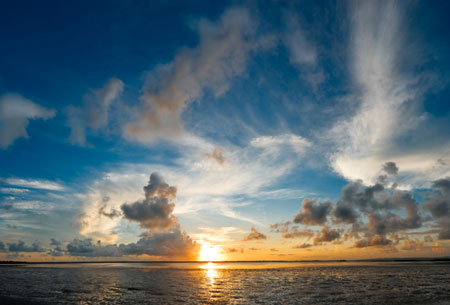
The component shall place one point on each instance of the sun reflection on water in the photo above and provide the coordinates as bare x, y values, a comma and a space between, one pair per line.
211, 272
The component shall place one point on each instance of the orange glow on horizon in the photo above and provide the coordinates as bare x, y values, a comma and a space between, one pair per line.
208, 252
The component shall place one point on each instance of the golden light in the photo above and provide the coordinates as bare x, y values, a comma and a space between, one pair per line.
208, 252
211, 272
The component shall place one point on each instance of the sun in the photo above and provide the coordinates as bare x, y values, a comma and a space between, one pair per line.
208, 252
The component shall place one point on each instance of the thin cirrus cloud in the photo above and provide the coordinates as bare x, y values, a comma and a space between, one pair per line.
389, 99
31, 184
15, 115
202, 182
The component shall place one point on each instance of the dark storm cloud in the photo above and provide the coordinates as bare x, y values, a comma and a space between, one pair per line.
438, 203
255, 235
2, 247
326, 235
20, 246
376, 241
390, 168
313, 212
155, 211
168, 244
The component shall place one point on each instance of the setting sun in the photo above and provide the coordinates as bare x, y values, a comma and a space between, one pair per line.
208, 252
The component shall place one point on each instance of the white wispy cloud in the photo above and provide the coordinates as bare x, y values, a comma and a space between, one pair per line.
33, 184
389, 123
202, 183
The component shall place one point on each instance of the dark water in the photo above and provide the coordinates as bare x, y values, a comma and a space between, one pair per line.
232, 283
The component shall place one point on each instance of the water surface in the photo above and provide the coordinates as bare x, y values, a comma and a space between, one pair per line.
227, 283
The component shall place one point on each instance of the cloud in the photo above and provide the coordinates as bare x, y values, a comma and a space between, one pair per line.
387, 123
20, 246
221, 55
326, 235
390, 168
34, 184
234, 250
313, 212
202, 186
54, 242
155, 211
302, 51
291, 232
173, 244
113, 213
15, 115
375, 241
378, 205
374, 211
302, 246
255, 235
94, 114
438, 203
217, 155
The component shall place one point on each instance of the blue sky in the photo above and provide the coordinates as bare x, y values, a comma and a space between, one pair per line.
257, 112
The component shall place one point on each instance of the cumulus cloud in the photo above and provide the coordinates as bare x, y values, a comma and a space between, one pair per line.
94, 114
255, 235
291, 232
374, 211
155, 211
390, 168
381, 207
54, 242
313, 212
173, 244
221, 55
375, 241
326, 235
388, 122
20, 246
438, 203
202, 185
15, 115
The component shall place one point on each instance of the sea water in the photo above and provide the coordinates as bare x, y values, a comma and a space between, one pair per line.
227, 283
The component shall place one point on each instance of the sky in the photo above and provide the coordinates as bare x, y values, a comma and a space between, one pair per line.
224, 130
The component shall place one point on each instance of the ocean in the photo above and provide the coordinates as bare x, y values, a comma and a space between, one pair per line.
227, 283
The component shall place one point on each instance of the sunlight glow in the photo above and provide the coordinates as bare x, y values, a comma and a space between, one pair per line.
208, 252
